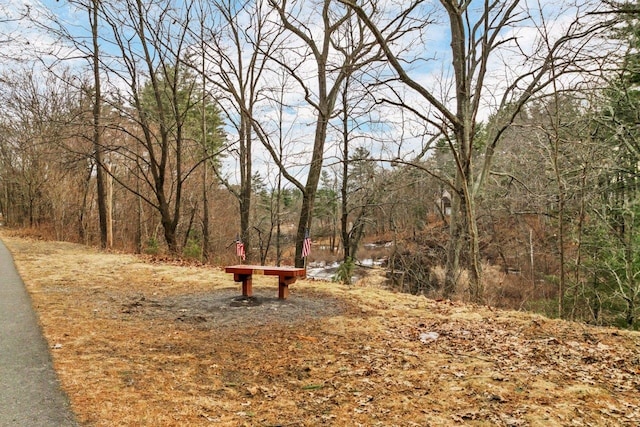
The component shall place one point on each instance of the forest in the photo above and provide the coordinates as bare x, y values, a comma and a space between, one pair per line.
488, 151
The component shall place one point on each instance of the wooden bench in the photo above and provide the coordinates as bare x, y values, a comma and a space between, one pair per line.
286, 276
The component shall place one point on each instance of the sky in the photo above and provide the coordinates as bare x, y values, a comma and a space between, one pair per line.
431, 69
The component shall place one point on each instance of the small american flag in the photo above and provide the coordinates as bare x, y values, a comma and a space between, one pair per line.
240, 249
306, 244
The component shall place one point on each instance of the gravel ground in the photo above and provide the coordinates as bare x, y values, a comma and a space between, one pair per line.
225, 308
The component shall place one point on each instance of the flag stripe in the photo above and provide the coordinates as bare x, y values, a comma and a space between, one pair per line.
306, 245
240, 250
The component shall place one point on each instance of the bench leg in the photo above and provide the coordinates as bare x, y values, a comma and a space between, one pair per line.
283, 286
247, 286
247, 282
283, 290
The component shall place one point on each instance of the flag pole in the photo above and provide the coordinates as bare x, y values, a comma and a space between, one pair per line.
240, 250
306, 249
305, 262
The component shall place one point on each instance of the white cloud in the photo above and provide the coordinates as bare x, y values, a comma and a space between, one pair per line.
397, 132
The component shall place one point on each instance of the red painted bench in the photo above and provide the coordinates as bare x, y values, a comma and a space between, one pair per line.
286, 276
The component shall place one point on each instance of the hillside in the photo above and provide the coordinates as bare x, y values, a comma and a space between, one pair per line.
148, 343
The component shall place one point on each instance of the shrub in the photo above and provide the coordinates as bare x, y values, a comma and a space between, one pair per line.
193, 249
152, 247
345, 272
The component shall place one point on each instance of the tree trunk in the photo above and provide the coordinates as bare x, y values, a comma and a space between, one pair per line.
245, 191
304, 221
205, 151
205, 214
279, 220
97, 144
344, 196
169, 224
109, 206
139, 224
311, 187
454, 247
82, 226
475, 263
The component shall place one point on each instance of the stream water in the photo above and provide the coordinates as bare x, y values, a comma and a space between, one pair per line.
321, 270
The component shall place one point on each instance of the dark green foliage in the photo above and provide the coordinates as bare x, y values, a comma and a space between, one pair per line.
344, 274
611, 288
193, 248
152, 247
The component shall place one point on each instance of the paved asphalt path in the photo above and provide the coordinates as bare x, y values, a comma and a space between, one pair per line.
30, 394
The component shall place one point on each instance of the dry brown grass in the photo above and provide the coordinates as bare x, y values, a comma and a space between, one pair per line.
158, 344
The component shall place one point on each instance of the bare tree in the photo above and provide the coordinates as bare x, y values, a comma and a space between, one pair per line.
278, 130
151, 41
235, 49
42, 150
478, 33
359, 184
329, 37
67, 47
104, 209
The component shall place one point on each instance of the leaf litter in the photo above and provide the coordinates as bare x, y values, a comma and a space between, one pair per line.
144, 343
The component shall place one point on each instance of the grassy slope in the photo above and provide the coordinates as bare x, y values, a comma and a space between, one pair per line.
148, 343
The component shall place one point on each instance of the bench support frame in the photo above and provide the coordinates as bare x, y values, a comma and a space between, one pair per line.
286, 277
